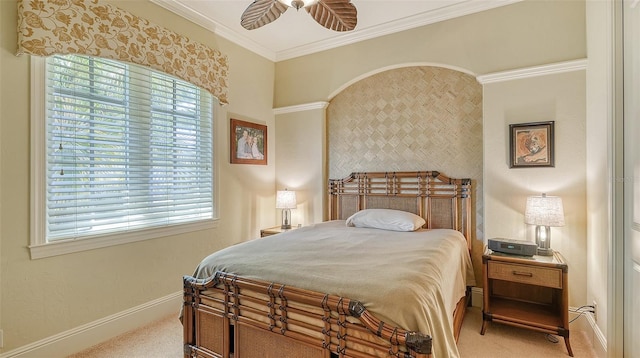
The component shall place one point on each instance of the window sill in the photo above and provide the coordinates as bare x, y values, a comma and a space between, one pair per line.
64, 247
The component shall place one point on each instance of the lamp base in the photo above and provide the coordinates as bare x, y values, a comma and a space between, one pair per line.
545, 252
286, 219
543, 240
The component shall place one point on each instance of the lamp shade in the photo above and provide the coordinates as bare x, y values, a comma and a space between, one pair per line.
544, 210
286, 199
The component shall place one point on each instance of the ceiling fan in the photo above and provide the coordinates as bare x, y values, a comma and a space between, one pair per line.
337, 15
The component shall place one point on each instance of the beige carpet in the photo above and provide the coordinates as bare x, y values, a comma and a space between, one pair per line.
502, 341
158, 340
164, 339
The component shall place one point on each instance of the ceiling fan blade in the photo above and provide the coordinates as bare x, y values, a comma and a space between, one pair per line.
261, 12
337, 15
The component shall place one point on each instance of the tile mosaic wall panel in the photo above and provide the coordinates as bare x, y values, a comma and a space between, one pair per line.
412, 118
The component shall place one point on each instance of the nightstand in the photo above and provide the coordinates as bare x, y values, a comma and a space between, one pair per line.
526, 291
274, 230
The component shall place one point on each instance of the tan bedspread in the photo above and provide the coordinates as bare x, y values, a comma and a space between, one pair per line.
427, 271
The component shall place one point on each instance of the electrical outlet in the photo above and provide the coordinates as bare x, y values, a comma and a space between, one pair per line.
595, 311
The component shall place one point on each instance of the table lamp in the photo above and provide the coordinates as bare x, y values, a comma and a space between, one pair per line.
286, 200
544, 211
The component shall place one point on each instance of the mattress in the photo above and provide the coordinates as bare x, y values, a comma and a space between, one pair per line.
412, 280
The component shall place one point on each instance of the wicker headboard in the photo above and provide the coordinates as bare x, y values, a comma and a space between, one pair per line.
443, 202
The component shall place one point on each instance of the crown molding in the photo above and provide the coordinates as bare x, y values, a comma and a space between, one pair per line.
450, 12
215, 27
549, 69
300, 107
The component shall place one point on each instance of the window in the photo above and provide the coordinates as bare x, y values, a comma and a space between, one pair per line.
128, 154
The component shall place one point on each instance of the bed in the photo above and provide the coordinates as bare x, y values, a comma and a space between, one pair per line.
342, 288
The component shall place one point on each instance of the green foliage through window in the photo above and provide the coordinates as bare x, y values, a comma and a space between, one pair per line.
127, 148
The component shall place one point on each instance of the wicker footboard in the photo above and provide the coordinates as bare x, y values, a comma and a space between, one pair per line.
231, 316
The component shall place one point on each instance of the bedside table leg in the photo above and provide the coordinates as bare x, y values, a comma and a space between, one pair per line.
565, 334
566, 343
486, 317
484, 327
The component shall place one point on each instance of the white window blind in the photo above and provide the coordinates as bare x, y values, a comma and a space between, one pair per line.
127, 148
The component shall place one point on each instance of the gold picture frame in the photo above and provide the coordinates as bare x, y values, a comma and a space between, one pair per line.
248, 143
531, 145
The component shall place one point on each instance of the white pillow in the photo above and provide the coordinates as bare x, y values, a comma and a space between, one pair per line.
386, 219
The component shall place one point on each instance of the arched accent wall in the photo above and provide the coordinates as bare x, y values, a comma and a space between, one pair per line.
394, 67
409, 118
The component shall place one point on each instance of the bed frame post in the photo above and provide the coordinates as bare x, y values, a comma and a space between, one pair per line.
465, 198
363, 187
188, 315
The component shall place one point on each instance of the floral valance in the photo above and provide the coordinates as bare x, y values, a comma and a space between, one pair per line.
47, 27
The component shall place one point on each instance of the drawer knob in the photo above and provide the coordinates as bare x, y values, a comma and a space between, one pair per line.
520, 273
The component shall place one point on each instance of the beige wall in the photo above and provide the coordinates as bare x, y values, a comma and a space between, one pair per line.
599, 166
300, 160
83, 287
524, 34
41, 298
560, 98
2, 100
512, 37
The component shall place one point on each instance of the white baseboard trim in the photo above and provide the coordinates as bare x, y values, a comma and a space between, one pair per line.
92, 333
598, 341
586, 324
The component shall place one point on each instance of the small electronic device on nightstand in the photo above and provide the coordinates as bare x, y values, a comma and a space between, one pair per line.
514, 247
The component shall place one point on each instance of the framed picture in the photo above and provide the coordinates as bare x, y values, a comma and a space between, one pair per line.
531, 145
248, 143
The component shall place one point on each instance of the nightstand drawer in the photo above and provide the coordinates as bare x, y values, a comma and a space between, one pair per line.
541, 276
